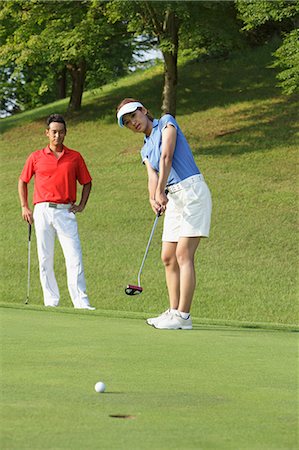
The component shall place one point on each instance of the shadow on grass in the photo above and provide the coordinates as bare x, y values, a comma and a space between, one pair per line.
262, 130
202, 85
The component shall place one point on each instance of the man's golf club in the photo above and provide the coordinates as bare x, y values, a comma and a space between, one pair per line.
28, 271
132, 289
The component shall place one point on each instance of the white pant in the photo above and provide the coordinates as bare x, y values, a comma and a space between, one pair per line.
48, 223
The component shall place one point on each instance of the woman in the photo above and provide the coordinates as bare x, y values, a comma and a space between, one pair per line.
176, 188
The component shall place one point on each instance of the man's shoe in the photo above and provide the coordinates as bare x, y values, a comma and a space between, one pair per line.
154, 320
174, 322
89, 307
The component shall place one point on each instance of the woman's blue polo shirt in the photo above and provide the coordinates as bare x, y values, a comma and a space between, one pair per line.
183, 164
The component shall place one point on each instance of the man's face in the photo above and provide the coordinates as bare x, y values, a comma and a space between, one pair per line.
56, 133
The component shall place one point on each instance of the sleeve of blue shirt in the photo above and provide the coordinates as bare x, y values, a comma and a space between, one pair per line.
165, 120
183, 164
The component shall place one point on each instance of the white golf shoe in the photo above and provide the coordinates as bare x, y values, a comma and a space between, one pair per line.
89, 307
174, 322
154, 320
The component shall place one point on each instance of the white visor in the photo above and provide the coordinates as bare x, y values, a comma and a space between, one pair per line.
126, 109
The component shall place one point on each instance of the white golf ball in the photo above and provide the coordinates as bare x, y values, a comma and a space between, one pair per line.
100, 386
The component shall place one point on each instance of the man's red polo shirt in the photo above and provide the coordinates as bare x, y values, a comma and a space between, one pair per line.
55, 179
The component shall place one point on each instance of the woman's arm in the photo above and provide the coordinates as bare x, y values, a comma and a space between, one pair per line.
168, 145
152, 186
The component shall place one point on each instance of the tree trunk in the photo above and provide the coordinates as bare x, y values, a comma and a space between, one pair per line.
170, 84
78, 72
61, 84
171, 31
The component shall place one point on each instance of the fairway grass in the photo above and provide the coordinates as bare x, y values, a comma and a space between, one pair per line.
212, 388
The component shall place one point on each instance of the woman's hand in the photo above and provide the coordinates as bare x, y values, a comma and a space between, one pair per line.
155, 206
161, 200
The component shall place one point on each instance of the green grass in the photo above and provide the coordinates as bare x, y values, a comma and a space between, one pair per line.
244, 136
212, 388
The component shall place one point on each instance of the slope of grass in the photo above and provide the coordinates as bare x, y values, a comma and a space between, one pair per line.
244, 136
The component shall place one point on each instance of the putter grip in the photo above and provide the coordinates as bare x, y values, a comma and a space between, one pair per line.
29, 231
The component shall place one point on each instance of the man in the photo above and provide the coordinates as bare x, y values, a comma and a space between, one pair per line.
56, 170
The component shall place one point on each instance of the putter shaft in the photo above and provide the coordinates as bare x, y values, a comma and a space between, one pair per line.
147, 248
29, 263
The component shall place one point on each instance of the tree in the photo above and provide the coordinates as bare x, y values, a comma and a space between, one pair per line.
160, 22
287, 60
52, 38
282, 15
171, 23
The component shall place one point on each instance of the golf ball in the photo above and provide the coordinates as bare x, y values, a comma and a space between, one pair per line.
100, 386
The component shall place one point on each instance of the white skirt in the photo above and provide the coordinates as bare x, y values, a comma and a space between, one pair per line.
188, 211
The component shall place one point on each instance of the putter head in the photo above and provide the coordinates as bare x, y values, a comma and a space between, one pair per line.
133, 290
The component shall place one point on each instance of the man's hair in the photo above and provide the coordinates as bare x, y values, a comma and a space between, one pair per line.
56, 118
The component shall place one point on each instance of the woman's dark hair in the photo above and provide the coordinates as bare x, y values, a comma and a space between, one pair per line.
130, 100
56, 118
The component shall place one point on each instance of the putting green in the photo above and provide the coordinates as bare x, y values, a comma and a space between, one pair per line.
210, 388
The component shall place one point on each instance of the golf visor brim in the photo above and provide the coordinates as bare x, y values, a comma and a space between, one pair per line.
127, 109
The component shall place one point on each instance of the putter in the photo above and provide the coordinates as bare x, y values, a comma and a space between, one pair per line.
131, 289
28, 271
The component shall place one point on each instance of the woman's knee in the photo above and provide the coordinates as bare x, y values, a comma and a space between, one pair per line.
168, 258
168, 254
186, 250
184, 257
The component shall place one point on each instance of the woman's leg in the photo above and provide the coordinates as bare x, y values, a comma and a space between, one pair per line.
185, 252
172, 272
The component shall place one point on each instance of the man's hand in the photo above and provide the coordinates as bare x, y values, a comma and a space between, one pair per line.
84, 198
76, 208
27, 214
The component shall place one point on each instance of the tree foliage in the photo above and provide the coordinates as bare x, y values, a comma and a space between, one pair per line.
53, 48
257, 12
43, 38
285, 13
287, 60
